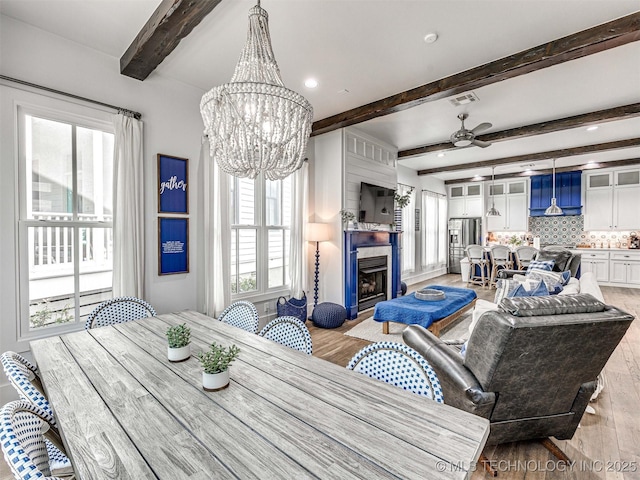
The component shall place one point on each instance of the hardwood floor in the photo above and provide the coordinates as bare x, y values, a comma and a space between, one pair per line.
605, 446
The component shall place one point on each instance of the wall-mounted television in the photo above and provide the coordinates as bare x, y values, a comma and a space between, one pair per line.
376, 204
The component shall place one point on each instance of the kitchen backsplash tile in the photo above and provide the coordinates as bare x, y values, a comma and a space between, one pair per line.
562, 230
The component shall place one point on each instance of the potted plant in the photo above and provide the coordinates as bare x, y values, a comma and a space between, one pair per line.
402, 200
215, 363
179, 348
347, 217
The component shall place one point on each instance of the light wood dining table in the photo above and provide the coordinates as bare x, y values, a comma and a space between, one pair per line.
126, 412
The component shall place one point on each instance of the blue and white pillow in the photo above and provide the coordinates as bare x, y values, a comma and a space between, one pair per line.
553, 280
540, 290
546, 265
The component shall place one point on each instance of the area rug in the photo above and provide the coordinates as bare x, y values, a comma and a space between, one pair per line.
371, 330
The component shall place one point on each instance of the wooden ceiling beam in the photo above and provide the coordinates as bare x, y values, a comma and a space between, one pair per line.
593, 40
171, 22
622, 112
546, 171
562, 153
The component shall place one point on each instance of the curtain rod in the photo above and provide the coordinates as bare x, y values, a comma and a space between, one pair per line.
405, 185
125, 111
435, 193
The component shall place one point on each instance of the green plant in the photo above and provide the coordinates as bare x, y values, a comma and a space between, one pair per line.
402, 200
347, 216
218, 358
515, 240
46, 316
178, 336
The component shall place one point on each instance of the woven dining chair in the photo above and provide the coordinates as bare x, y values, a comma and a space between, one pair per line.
523, 256
477, 258
119, 310
241, 314
500, 257
399, 365
26, 450
18, 371
290, 332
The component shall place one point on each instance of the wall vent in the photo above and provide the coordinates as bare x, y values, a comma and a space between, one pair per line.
463, 99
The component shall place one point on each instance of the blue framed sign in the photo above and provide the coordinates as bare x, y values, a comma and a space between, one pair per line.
173, 188
173, 245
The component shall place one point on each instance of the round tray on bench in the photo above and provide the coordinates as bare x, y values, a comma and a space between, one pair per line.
430, 294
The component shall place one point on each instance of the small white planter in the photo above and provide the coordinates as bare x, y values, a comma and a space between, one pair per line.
212, 382
179, 354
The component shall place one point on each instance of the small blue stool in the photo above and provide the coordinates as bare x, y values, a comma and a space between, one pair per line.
329, 315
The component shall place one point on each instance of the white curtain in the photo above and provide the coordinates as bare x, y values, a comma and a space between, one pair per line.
297, 257
434, 229
408, 230
217, 235
128, 208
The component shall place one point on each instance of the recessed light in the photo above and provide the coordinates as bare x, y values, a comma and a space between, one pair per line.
311, 83
592, 128
430, 37
440, 155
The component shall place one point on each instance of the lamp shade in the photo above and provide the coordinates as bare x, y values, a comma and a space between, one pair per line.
318, 232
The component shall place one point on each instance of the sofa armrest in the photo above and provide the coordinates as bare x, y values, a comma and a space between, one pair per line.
506, 274
459, 386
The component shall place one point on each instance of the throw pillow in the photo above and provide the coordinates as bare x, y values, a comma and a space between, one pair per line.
551, 279
504, 287
543, 265
540, 290
572, 287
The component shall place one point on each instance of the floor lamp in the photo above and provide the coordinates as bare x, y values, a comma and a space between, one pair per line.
317, 232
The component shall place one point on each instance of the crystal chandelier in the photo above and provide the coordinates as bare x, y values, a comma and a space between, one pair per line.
254, 123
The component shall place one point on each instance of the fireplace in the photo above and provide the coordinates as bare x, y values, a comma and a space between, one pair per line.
372, 281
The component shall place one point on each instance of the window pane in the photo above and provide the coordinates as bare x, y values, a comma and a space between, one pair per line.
51, 277
273, 195
95, 173
276, 258
247, 260
96, 265
48, 156
246, 201
287, 192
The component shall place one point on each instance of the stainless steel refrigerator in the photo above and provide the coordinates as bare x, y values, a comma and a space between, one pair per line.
462, 232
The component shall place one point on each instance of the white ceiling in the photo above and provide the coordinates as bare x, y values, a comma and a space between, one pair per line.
375, 49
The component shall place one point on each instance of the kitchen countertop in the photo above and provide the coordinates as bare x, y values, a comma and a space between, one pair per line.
585, 249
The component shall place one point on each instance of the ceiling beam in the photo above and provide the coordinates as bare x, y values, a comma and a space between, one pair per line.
562, 153
546, 171
593, 40
622, 112
171, 22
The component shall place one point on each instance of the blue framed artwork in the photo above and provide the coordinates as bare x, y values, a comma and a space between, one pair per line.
173, 187
173, 245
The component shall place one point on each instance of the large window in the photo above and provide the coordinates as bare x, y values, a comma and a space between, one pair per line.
260, 226
434, 231
66, 211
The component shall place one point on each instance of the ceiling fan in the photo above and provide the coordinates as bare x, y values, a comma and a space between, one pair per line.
464, 137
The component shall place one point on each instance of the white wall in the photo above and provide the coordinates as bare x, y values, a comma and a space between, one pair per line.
172, 125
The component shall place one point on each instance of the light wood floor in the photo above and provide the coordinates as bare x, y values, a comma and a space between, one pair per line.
603, 446
605, 443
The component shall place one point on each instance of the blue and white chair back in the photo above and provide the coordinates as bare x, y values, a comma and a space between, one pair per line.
28, 368
119, 310
21, 381
27, 452
399, 365
242, 315
290, 332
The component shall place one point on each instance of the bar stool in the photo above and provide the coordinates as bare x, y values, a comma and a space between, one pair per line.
500, 257
476, 256
524, 255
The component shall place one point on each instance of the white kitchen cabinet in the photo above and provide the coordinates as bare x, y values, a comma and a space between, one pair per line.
465, 200
610, 199
511, 201
625, 268
596, 262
